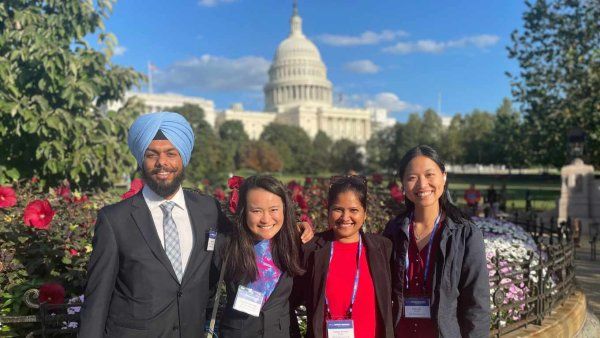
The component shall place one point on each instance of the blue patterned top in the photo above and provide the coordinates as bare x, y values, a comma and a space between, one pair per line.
268, 272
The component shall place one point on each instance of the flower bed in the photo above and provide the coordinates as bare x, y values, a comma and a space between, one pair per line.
45, 241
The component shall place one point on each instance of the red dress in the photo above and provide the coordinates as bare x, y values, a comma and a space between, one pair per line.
419, 327
339, 285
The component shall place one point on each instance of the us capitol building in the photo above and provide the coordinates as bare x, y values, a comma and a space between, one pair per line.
298, 93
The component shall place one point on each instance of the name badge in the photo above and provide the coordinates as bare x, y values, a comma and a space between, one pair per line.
248, 301
340, 328
417, 308
212, 237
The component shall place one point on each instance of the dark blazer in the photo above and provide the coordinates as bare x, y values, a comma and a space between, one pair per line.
312, 284
132, 289
460, 303
274, 319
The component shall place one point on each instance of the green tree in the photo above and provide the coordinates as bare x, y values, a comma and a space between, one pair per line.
558, 86
431, 129
52, 88
346, 157
508, 139
210, 158
452, 147
380, 148
292, 144
232, 134
477, 137
321, 159
260, 156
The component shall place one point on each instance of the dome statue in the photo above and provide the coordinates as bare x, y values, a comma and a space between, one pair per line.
297, 75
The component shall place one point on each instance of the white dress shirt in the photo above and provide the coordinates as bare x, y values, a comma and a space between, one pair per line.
180, 216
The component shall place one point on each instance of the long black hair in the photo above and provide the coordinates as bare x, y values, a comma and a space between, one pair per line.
341, 184
449, 209
285, 245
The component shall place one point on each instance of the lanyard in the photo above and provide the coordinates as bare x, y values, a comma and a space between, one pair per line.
356, 277
436, 224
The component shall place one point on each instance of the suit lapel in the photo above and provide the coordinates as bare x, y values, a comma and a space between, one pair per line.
374, 255
321, 267
143, 219
198, 229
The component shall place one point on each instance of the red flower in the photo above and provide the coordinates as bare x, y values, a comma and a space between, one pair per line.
377, 178
64, 191
52, 293
219, 194
8, 197
205, 182
34, 180
307, 180
135, 187
235, 182
233, 200
396, 193
81, 199
73, 252
306, 218
38, 214
294, 187
301, 202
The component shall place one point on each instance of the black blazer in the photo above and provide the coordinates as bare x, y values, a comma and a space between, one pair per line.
274, 319
132, 289
316, 263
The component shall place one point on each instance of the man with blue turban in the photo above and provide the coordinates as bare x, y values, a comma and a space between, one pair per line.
148, 274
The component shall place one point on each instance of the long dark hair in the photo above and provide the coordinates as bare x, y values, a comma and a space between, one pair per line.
449, 209
285, 245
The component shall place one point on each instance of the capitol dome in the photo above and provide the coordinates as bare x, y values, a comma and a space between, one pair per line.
297, 75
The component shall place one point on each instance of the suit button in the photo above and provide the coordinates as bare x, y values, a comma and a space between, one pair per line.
179, 293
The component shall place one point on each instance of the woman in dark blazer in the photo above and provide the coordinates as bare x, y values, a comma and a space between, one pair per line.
262, 259
328, 286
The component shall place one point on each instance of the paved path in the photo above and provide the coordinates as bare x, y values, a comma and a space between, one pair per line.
587, 274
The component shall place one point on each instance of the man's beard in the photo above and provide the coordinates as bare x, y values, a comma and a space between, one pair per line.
163, 189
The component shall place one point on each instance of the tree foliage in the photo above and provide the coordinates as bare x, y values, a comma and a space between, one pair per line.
260, 156
345, 157
321, 159
208, 159
558, 86
292, 144
232, 134
52, 85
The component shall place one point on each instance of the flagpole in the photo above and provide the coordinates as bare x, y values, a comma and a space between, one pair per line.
150, 89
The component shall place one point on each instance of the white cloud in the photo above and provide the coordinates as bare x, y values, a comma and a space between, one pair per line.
119, 50
362, 67
214, 73
431, 46
366, 38
391, 102
213, 3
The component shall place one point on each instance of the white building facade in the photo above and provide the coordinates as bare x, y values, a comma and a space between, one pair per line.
298, 93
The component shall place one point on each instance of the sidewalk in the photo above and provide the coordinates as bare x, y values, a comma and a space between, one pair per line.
587, 275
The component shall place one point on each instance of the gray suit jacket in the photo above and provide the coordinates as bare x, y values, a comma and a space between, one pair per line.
132, 289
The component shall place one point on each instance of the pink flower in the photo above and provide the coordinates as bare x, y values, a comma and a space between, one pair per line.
135, 187
301, 202
233, 200
64, 191
219, 194
235, 182
81, 199
306, 218
73, 252
52, 293
396, 193
38, 214
8, 197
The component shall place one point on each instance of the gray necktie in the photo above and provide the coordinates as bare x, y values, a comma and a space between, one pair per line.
171, 238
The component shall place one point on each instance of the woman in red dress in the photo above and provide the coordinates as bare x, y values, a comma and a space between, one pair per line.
347, 286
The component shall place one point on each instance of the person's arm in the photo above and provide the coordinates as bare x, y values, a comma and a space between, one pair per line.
307, 232
101, 277
474, 288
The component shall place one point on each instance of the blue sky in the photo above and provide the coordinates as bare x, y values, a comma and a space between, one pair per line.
395, 54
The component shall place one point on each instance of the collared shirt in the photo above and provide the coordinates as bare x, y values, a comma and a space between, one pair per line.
180, 216
420, 327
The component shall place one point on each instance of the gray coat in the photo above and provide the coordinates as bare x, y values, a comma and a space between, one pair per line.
460, 278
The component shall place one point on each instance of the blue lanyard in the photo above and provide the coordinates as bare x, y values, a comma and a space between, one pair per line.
356, 277
436, 224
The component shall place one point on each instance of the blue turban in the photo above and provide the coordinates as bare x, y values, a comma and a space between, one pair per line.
175, 128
